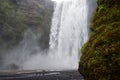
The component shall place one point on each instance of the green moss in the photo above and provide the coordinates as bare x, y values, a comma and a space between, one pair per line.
101, 54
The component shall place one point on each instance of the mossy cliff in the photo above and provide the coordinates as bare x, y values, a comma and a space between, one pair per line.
7, 14
16, 16
100, 58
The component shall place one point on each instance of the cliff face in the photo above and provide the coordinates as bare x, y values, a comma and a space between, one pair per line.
100, 58
16, 16
37, 15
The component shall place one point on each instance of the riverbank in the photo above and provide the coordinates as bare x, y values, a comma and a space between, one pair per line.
43, 75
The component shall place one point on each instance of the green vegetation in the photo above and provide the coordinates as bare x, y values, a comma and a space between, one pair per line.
16, 16
7, 23
101, 54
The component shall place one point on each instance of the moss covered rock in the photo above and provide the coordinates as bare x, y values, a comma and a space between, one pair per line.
100, 58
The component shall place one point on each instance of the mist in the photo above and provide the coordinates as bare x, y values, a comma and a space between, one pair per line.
69, 31
29, 56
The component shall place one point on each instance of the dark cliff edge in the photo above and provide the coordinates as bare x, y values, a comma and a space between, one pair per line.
100, 58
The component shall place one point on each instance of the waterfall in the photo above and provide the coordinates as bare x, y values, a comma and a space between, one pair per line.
69, 30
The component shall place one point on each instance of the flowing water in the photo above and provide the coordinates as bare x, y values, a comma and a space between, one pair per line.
69, 31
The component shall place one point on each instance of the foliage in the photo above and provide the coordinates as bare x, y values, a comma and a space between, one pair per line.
101, 55
7, 11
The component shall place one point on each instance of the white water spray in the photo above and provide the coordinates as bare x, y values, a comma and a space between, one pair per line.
69, 31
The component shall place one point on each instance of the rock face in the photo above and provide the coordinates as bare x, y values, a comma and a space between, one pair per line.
100, 58
16, 16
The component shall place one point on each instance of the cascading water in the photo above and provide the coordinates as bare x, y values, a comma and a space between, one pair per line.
69, 31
